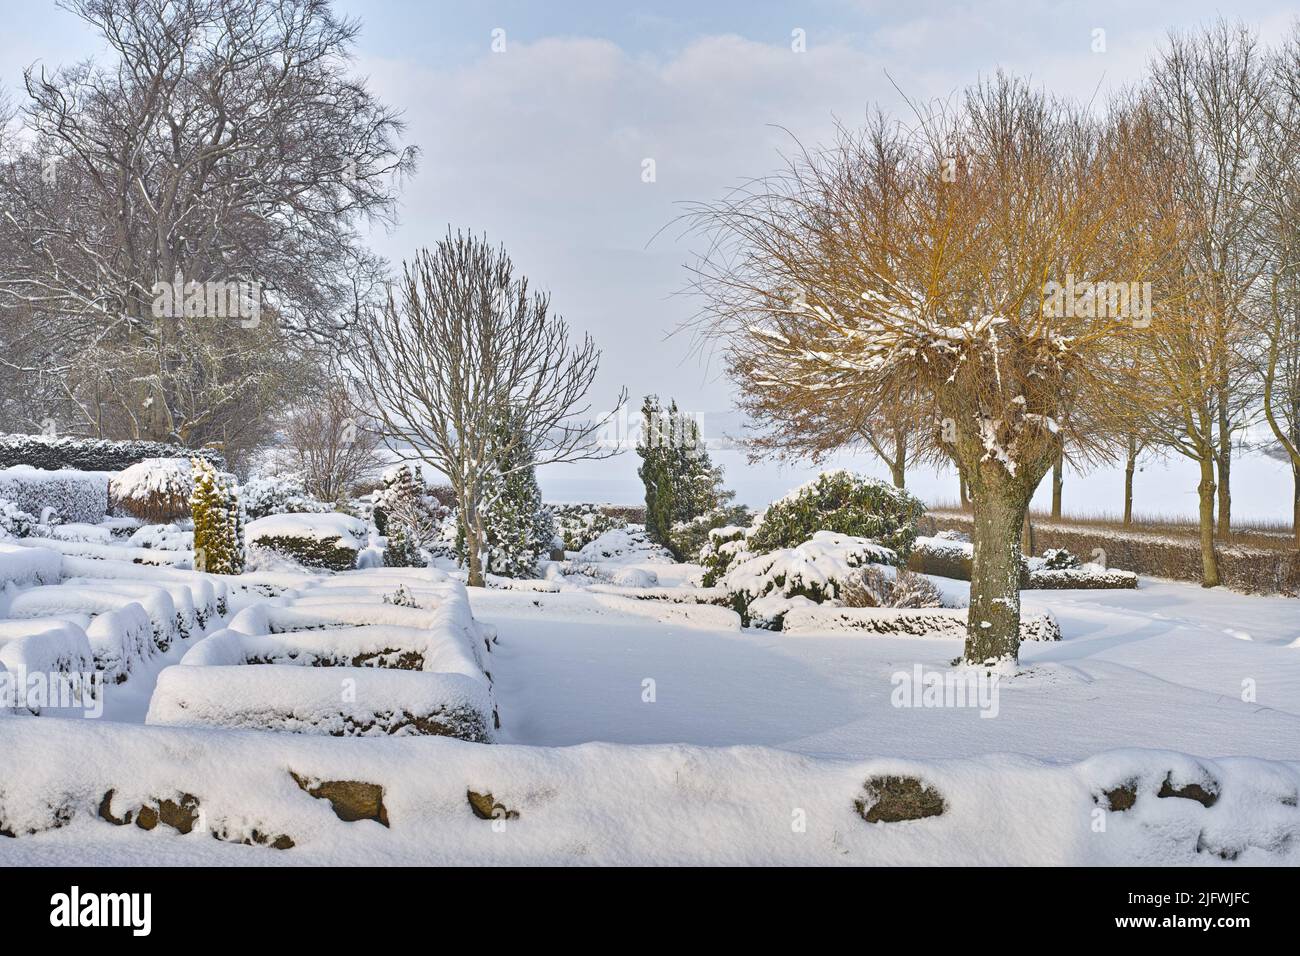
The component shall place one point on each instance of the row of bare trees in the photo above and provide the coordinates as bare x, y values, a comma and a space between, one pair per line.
1009, 280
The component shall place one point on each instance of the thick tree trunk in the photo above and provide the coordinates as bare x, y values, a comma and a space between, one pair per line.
1224, 462
1058, 481
898, 472
1209, 562
993, 624
1130, 465
1295, 504
963, 490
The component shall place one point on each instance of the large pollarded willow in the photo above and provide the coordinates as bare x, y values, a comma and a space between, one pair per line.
942, 271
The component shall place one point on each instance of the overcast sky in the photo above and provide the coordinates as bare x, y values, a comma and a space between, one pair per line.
542, 145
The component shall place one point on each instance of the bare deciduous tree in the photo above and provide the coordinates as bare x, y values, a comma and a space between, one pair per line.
224, 141
331, 441
460, 342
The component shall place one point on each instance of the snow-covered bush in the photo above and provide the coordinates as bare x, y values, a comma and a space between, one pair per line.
14, 522
726, 546
156, 490
877, 586
577, 525
405, 499
691, 539
80, 496
846, 504
330, 541
816, 571
163, 537
517, 527
51, 453
278, 495
1059, 559
625, 546
401, 551
218, 522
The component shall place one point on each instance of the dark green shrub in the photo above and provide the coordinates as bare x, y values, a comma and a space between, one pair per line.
845, 503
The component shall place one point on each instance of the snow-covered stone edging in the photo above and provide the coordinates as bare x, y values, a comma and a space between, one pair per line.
88, 793
905, 622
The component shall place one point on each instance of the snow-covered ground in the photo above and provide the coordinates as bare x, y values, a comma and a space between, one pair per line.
1164, 666
749, 746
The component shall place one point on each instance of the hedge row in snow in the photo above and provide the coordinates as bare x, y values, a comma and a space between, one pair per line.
44, 664
1088, 577
903, 622
374, 653
76, 496
23, 567
51, 453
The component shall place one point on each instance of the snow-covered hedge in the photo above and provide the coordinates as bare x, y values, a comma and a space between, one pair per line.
51, 453
412, 657
307, 700
763, 589
62, 600
330, 541
1087, 577
23, 566
905, 622
36, 657
211, 592
156, 557
156, 490
74, 495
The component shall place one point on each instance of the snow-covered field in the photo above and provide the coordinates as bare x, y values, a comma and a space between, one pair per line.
645, 731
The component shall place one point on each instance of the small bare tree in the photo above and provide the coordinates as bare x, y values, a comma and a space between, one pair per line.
332, 442
460, 342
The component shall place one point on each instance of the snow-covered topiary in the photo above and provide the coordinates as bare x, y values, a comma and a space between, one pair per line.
278, 495
330, 541
1059, 559
218, 521
691, 539
517, 527
816, 570
156, 490
401, 551
845, 503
